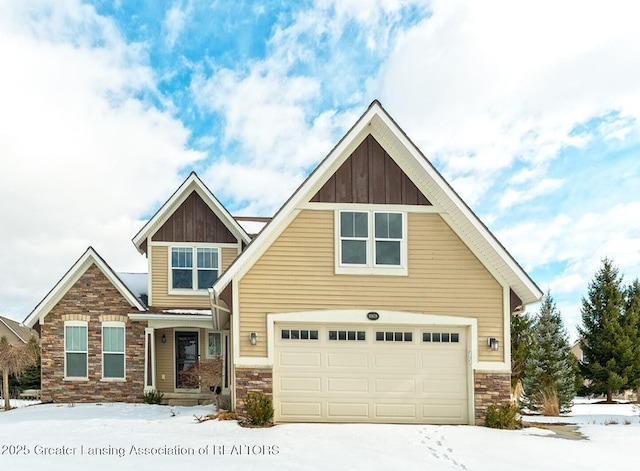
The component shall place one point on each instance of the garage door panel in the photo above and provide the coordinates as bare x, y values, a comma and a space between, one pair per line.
309, 410
406, 385
341, 410
370, 380
347, 360
396, 361
347, 385
298, 384
394, 411
300, 358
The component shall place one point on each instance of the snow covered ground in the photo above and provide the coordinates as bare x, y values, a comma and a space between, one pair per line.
138, 436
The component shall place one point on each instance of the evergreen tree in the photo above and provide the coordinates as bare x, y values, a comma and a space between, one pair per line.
631, 325
521, 341
549, 379
608, 336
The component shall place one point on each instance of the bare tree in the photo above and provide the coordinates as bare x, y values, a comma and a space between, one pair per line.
206, 374
13, 360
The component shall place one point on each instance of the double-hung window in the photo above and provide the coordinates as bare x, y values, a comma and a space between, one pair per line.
75, 349
194, 268
113, 350
371, 242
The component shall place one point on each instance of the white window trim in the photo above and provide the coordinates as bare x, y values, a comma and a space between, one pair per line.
123, 353
86, 351
219, 332
370, 268
194, 270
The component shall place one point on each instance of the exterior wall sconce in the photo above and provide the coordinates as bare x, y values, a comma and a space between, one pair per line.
253, 338
493, 343
164, 338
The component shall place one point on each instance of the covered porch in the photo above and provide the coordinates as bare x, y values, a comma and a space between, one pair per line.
186, 356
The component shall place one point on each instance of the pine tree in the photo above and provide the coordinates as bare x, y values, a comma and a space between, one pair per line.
631, 325
549, 377
607, 336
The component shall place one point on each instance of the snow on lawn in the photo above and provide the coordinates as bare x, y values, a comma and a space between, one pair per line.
140, 436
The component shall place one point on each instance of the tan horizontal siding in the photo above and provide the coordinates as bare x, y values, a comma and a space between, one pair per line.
164, 361
160, 296
297, 274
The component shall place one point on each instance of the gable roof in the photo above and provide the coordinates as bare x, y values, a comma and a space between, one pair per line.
19, 331
88, 258
463, 221
192, 183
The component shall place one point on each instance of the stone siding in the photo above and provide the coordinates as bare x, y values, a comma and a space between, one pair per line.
490, 388
252, 380
95, 300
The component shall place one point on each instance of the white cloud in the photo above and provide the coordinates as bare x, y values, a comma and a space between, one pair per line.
480, 85
518, 196
175, 21
83, 156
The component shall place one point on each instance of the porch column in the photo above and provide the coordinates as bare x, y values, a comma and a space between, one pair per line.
149, 360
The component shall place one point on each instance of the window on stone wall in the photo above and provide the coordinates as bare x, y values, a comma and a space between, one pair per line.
113, 358
75, 349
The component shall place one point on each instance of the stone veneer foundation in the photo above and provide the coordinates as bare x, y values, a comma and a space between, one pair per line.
95, 300
252, 380
490, 388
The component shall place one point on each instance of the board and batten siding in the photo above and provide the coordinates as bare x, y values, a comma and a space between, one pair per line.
297, 273
160, 296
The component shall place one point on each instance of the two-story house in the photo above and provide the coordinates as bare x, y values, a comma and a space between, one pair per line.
374, 294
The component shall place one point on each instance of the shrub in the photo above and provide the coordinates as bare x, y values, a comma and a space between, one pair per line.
259, 408
152, 397
550, 403
505, 416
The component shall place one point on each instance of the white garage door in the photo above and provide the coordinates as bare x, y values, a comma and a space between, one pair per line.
379, 373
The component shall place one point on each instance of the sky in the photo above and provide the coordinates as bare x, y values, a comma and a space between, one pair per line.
530, 109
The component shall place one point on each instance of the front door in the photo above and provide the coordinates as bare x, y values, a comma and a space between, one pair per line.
186, 359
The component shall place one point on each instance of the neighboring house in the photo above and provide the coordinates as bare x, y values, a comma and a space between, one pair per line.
14, 332
375, 294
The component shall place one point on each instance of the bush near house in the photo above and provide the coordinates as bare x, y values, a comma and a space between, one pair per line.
259, 408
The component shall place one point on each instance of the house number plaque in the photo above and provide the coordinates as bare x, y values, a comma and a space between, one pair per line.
373, 316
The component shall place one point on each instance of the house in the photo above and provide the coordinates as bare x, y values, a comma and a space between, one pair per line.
374, 294
14, 332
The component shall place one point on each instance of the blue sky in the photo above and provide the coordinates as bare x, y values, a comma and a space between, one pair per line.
529, 109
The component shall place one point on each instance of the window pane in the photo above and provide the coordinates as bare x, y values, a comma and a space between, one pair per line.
77, 365
181, 257
395, 225
354, 252
361, 224
206, 278
113, 339
182, 278
354, 224
455, 337
207, 258
346, 225
387, 252
382, 225
113, 365
76, 338
215, 344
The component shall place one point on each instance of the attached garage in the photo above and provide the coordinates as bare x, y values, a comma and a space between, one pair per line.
371, 373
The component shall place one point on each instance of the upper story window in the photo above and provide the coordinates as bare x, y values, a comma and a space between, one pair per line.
194, 268
371, 242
